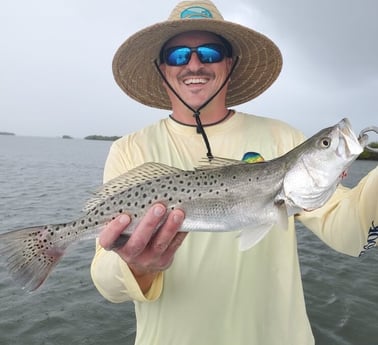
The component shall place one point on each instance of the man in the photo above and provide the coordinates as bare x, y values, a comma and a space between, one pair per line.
199, 288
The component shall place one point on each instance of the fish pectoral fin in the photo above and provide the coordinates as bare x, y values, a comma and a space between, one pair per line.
251, 236
282, 220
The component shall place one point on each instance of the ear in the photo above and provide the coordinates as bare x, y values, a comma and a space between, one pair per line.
162, 68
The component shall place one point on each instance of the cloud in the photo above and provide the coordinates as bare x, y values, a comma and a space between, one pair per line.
56, 63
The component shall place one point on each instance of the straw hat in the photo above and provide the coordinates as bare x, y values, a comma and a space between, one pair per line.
259, 63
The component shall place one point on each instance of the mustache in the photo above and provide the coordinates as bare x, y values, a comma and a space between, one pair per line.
202, 72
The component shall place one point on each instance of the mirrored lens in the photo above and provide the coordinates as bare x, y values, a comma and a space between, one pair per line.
208, 53
178, 56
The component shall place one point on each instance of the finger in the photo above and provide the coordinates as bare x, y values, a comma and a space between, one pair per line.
113, 230
145, 230
167, 232
173, 246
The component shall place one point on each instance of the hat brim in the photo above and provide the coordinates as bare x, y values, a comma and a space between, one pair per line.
259, 64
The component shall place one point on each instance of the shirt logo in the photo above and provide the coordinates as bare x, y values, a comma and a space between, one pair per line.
196, 12
372, 239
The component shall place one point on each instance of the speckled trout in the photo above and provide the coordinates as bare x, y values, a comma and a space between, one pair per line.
224, 195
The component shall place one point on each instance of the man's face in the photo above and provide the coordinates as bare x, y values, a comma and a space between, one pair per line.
196, 82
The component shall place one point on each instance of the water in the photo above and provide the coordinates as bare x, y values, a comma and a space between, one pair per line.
48, 180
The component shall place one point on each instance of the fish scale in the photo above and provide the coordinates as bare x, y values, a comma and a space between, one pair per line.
224, 195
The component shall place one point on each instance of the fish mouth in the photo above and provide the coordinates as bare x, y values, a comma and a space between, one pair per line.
349, 143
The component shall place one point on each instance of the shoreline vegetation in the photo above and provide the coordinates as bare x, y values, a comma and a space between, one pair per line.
101, 137
366, 155
369, 155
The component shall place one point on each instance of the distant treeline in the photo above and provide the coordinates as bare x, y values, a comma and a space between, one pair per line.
6, 133
101, 137
369, 155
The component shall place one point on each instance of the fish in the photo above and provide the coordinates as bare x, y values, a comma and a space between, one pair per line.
220, 196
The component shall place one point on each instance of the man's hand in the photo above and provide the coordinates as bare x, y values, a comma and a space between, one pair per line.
147, 252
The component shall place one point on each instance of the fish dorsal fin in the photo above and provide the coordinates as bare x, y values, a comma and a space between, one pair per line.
134, 177
217, 162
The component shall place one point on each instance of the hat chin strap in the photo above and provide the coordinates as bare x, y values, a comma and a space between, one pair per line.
197, 112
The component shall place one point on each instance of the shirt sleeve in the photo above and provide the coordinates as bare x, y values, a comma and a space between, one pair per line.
348, 221
110, 274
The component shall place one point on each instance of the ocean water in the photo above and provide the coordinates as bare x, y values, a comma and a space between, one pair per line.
46, 180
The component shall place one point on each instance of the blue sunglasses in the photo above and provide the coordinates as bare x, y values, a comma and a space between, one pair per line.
207, 53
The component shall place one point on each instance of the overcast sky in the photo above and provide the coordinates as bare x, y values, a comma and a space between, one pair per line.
56, 55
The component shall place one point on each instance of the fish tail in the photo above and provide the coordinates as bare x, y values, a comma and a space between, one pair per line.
31, 254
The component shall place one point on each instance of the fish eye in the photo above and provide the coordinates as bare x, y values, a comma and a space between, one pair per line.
325, 142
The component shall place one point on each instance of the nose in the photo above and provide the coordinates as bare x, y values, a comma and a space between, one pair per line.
194, 61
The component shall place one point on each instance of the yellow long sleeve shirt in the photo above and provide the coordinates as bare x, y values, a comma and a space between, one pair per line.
213, 293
